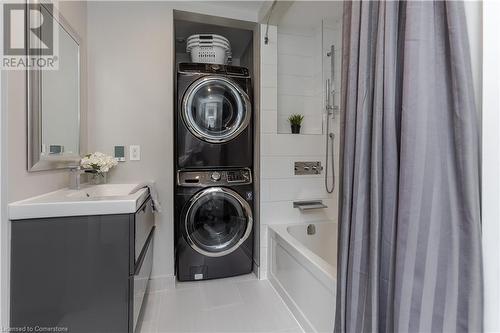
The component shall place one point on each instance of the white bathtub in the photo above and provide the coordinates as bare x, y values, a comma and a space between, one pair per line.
303, 269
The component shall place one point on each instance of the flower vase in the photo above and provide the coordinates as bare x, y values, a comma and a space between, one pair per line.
97, 178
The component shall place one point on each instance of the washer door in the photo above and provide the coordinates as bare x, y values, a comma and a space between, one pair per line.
215, 109
217, 221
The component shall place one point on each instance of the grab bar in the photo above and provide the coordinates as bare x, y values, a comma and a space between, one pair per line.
309, 205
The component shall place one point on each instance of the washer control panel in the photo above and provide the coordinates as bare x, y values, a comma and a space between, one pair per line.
189, 67
240, 176
214, 177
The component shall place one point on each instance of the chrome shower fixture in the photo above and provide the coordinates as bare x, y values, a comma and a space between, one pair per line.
330, 112
266, 37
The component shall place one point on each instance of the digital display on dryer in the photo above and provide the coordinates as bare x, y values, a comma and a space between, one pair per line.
237, 176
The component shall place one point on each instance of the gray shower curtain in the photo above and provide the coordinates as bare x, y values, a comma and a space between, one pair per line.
409, 247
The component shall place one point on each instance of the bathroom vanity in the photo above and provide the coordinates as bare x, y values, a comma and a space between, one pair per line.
81, 260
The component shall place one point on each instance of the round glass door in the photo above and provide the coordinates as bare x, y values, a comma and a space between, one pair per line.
216, 109
217, 221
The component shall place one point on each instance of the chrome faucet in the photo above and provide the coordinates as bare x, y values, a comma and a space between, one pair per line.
74, 177
311, 229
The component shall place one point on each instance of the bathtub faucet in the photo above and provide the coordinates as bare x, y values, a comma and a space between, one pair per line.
311, 229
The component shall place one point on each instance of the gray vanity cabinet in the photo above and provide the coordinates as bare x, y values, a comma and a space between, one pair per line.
83, 272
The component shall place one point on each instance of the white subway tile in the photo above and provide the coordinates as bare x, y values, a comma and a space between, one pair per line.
297, 188
282, 212
299, 89
269, 76
275, 167
298, 31
312, 124
298, 85
263, 257
268, 121
264, 190
295, 44
290, 104
269, 53
271, 29
292, 144
295, 65
269, 98
263, 235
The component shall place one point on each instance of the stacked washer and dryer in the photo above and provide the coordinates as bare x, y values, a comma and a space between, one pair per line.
214, 168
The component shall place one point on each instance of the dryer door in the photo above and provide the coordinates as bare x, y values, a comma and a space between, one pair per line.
215, 109
217, 221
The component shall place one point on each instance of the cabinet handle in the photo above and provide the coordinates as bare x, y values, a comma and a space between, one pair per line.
144, 250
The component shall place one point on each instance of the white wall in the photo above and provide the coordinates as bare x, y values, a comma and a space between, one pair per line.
278, 152
131, 91
238, 10
491, 164
474, 18
300, 77
483, 27
16, 183
24, 184
306, 30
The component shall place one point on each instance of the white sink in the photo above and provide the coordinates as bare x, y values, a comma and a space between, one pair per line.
89, 200
102, 191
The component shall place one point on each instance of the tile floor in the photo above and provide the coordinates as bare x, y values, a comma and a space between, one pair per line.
239, 304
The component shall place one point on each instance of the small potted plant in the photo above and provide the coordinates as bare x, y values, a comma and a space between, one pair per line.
295, 122
97, 165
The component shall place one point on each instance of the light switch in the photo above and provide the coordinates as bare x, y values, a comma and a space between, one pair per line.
135, 153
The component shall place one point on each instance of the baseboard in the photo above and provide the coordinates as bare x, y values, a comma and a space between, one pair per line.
260, 273
161, 282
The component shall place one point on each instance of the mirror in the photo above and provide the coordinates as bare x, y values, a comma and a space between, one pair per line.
53, 101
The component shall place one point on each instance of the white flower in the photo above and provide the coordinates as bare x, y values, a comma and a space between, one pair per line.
99, 162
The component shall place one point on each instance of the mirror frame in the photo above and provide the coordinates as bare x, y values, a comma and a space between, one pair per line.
35, 162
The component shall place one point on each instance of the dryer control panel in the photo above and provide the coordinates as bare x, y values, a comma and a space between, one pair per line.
214, 177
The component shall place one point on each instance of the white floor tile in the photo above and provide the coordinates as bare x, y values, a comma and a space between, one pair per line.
220, 293
240, 304
266, 306
149, 327
152, 304
292, 330
179, 310
230, 319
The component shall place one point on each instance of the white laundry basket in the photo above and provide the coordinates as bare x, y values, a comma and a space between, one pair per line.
208, 48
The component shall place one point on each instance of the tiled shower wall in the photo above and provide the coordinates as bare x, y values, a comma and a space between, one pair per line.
279, 186
300, 88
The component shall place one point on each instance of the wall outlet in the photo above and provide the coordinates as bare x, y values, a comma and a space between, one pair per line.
135, 153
